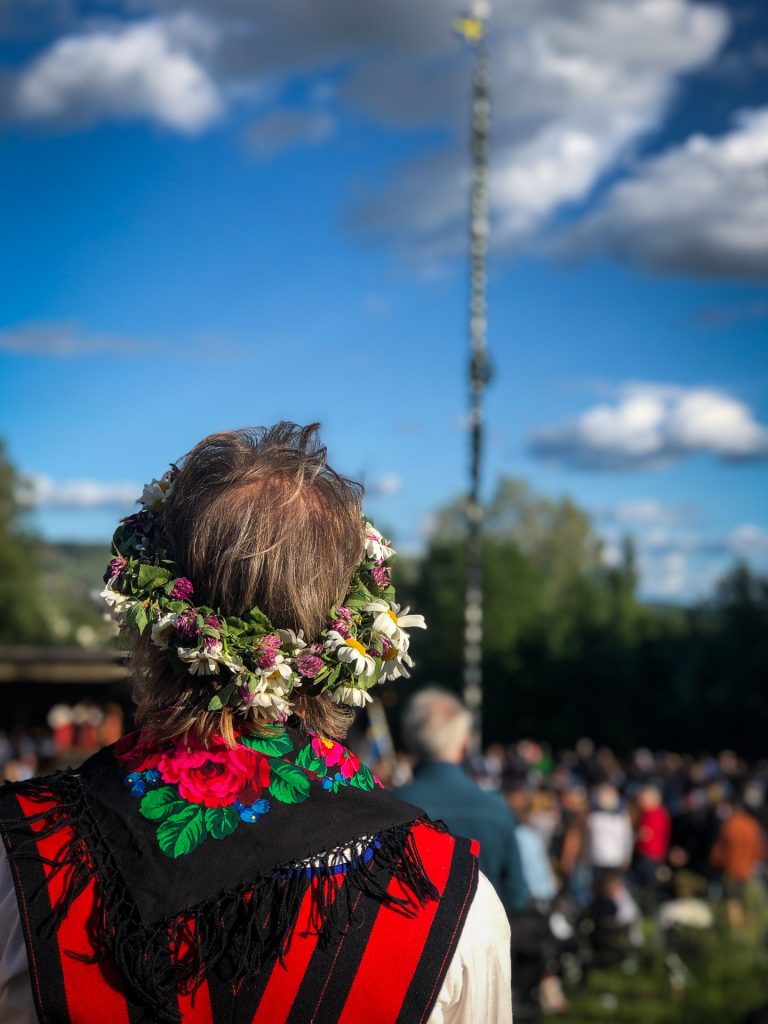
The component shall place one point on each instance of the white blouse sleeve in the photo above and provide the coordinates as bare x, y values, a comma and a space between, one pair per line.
478, 985
17, 1004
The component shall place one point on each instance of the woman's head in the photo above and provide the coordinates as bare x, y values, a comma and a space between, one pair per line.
256, 517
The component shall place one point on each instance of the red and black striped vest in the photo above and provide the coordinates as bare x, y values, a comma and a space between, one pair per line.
368, 944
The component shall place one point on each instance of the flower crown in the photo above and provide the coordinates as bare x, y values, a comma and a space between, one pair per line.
252, 663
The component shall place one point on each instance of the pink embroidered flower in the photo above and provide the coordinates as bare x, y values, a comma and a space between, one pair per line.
309, 665
117, 567
182, 589
138, 751
216, 776
186, 625
334, 753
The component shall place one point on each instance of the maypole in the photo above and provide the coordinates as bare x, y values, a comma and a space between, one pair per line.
472, 28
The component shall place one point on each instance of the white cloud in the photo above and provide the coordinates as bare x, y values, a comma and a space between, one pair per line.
44, 492
651, 425
149, 69
61, 340
748, 541
386, 486
699, 208
574, 87
645, 512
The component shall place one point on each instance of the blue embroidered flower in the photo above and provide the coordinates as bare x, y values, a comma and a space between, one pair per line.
253, 812
152, 777
136, 781
334, 782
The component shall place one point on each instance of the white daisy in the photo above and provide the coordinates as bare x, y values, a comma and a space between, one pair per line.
155, 493
393, 623
290, 641
395, 664
351, 652
375, 545
162, 629
118, 604
206, 662
279, 671
351, 695
200, 662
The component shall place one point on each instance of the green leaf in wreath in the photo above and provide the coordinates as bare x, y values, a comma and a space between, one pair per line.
258, 618
221, 821
153, 576
137, 616
289, 785
161, 803
221, 699
308, 759
273, 745
182, 832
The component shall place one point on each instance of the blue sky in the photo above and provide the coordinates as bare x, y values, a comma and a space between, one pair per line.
214, 219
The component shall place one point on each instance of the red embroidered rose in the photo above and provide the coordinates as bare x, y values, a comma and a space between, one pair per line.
334, 754
138, 751
217, 776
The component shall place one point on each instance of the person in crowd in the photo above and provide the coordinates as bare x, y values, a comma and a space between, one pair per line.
437, 730
738, 849
609, 832
231, 859
652, 841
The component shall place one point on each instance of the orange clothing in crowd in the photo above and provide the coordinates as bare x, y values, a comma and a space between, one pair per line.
739, 848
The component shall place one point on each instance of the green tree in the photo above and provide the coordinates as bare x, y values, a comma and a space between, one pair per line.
20, 616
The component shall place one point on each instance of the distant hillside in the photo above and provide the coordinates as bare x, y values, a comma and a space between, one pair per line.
72, 578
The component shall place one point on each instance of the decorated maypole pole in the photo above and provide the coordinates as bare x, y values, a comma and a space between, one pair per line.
473, 28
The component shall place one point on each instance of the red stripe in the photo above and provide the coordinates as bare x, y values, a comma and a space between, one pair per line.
474, 847
194, 1007
397, 942
286, 978
93, 993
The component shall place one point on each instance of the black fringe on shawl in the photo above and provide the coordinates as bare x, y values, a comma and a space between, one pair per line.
239, 933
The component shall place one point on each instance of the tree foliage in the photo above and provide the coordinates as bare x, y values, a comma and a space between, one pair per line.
569, 649
20, 615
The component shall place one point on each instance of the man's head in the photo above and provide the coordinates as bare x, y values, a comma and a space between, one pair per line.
437, 726
255, 517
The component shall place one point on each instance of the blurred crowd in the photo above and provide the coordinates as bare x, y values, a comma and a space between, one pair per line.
72, 733
608, 844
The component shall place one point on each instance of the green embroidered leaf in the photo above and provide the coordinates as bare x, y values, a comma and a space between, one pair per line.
363, 778
153, 576
290, 785
274, 745
182, 832
160, 804
221, 821
308, 759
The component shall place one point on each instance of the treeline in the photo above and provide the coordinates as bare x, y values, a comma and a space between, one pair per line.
570, 650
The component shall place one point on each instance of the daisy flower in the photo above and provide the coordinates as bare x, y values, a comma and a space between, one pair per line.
117, 603
155, 493
352, 652
393, 623
351, 695
205, 661
162, 629
395, 664
376, 548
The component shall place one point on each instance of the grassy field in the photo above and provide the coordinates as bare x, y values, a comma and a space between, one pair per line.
724, 977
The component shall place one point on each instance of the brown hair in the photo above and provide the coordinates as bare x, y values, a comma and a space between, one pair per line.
256, 517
